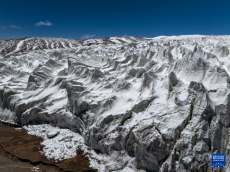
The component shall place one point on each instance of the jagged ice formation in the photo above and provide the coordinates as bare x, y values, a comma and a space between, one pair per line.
132, 104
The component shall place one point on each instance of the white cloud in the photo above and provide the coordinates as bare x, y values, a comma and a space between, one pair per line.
16, 27
41, 23
87, 36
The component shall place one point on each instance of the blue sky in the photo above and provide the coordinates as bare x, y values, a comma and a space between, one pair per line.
105, 18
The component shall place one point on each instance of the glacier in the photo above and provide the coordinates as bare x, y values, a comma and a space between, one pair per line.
130, 103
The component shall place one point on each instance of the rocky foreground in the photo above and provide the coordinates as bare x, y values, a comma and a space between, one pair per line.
20, 152
128, 103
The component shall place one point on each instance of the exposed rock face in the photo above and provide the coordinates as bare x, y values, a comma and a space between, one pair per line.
160, 104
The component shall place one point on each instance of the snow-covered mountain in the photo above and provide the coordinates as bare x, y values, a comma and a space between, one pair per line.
132, 104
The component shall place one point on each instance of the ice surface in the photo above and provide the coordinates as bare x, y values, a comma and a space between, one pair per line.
53, 133
131, 104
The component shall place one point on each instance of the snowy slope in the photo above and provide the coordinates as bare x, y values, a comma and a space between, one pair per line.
147, 104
